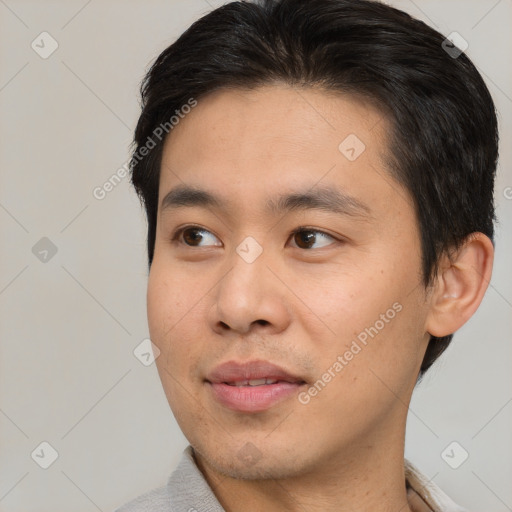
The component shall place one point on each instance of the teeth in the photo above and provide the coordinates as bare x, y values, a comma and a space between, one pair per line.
252, 382
257, 382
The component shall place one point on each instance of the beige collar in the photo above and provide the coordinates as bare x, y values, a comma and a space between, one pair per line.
424, 495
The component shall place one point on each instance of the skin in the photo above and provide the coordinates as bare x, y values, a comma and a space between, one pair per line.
300, 304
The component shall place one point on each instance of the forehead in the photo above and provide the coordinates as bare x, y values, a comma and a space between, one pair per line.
279, 113
276, 137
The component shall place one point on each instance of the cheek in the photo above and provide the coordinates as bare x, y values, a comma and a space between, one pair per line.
174, 313
379, 310
367, 376
348, 302
167, 298
171, 325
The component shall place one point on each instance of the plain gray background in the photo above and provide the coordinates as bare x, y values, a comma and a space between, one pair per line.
69, 325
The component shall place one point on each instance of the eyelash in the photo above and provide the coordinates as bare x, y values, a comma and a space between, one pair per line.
300, 229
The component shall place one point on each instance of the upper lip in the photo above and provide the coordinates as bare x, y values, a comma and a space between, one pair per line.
231, 371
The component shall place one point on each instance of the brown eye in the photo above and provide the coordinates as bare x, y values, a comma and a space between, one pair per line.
193, 236
305, 238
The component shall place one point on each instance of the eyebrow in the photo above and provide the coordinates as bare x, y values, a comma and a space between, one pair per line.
325, 198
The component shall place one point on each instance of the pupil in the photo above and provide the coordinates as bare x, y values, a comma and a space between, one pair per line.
193, 238
307, 236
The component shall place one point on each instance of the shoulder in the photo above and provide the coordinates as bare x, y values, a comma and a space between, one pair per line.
156, 500
186, 491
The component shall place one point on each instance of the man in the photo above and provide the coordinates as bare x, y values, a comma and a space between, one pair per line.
318, 181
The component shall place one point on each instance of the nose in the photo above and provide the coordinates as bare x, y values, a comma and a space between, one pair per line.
248, 298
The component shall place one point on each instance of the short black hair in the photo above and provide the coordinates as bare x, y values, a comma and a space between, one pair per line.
444, 140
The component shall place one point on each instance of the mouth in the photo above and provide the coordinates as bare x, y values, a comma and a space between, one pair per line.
253, 386
253, 382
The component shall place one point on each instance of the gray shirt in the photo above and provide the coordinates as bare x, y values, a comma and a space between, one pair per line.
188, 491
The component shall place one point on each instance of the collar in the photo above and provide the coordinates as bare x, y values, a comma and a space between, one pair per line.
424, 495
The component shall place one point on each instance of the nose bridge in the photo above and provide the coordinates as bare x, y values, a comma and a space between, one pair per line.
247, 294
248, 266
249, 250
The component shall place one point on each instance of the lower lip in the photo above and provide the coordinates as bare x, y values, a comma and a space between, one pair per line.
253, 398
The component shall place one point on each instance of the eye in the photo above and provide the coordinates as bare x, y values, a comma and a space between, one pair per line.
307, 236
304, 237
192, 235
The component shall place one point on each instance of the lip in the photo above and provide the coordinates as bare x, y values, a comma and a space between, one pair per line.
245, 398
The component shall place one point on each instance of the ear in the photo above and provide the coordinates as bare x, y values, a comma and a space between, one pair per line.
460, 285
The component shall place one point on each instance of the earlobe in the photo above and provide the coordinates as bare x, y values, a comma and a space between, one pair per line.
460, 285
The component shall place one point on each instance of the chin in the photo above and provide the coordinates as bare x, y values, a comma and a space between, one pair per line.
250, 463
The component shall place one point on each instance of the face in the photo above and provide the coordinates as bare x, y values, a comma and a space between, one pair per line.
287, 303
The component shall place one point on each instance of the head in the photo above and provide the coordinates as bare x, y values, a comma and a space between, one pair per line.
288, 98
